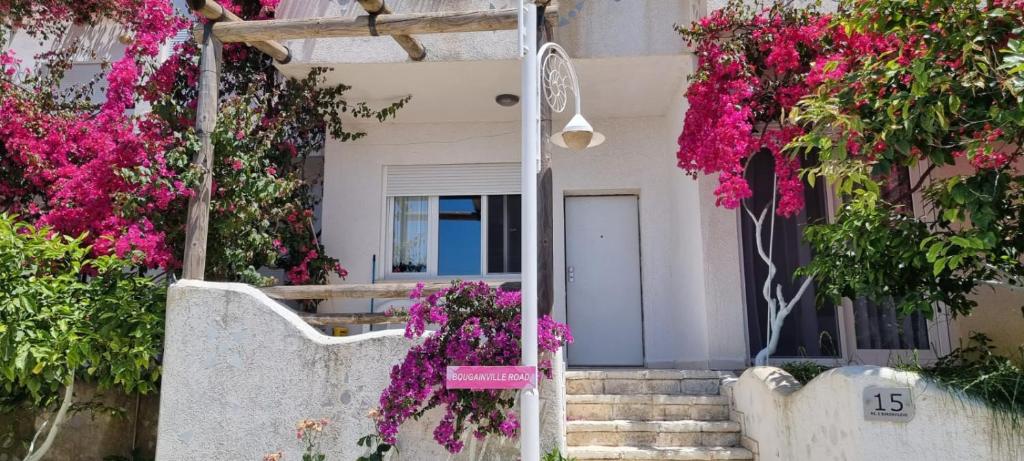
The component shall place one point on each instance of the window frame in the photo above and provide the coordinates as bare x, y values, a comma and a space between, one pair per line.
433, 221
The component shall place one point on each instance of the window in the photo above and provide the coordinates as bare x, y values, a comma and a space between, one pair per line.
409, 245
503, 238
454, 235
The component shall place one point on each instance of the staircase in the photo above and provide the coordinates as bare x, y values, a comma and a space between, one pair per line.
649, 414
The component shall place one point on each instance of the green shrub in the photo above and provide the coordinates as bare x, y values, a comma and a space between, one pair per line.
804, 371
555, 455
65, 314
976, 370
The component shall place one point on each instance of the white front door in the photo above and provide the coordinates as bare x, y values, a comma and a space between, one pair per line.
602, 280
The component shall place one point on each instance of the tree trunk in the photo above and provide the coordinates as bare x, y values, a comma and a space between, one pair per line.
778, 307
58, 419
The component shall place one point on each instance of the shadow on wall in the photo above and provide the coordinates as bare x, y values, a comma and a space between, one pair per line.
89, 435
825, 420
998, 315
241, 369
101, 42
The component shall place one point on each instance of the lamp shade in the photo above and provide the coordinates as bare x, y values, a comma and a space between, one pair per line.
577, 135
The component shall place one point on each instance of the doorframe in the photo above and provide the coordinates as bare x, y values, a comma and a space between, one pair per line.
566, 195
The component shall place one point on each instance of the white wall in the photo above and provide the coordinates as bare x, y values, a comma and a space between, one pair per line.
824, 420
723, 281
603, 28
97, 43
643, 28
240, 370
721, 266
680, 284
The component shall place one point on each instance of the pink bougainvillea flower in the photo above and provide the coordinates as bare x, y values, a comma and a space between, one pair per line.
736, 106
476, 326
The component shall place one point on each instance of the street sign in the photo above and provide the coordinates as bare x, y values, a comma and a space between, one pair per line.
894, 404
502, 377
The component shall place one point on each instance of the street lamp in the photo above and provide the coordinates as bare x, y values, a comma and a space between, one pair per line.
557, 77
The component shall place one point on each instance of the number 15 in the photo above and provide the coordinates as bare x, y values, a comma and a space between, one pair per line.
897, 404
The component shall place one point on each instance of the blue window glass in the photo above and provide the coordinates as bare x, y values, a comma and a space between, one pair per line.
458, 226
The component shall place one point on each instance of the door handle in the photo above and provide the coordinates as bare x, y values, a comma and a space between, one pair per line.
572, 274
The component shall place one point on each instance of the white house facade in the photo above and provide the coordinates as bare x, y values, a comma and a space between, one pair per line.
646, 269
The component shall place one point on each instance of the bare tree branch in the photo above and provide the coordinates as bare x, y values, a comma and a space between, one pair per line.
58, 420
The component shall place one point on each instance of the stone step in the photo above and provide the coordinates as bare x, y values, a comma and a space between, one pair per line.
644, 373
629, 382
646, 407
593, 453
688, 433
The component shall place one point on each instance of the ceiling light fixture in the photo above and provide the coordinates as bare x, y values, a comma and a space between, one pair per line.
506, 99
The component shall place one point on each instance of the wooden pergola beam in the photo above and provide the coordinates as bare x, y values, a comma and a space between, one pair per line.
362, 290
362, 26
216, 12
330, 320
411, 46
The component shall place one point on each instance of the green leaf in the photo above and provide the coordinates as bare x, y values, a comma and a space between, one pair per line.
934, 250
962, 242
21, 359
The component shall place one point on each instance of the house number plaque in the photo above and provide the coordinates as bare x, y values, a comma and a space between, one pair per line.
894, 404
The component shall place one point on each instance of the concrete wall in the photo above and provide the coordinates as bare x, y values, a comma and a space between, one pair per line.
644, 28
241, 369
824, 420
641, 27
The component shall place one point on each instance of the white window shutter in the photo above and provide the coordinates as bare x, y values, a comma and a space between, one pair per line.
455, 179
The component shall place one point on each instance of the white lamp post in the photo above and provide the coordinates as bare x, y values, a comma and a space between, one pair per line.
557, 77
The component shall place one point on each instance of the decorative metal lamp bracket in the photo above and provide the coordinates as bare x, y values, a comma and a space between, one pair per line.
558, 77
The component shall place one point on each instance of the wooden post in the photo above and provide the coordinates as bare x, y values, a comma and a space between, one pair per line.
545, 197
197, 225
411, 46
